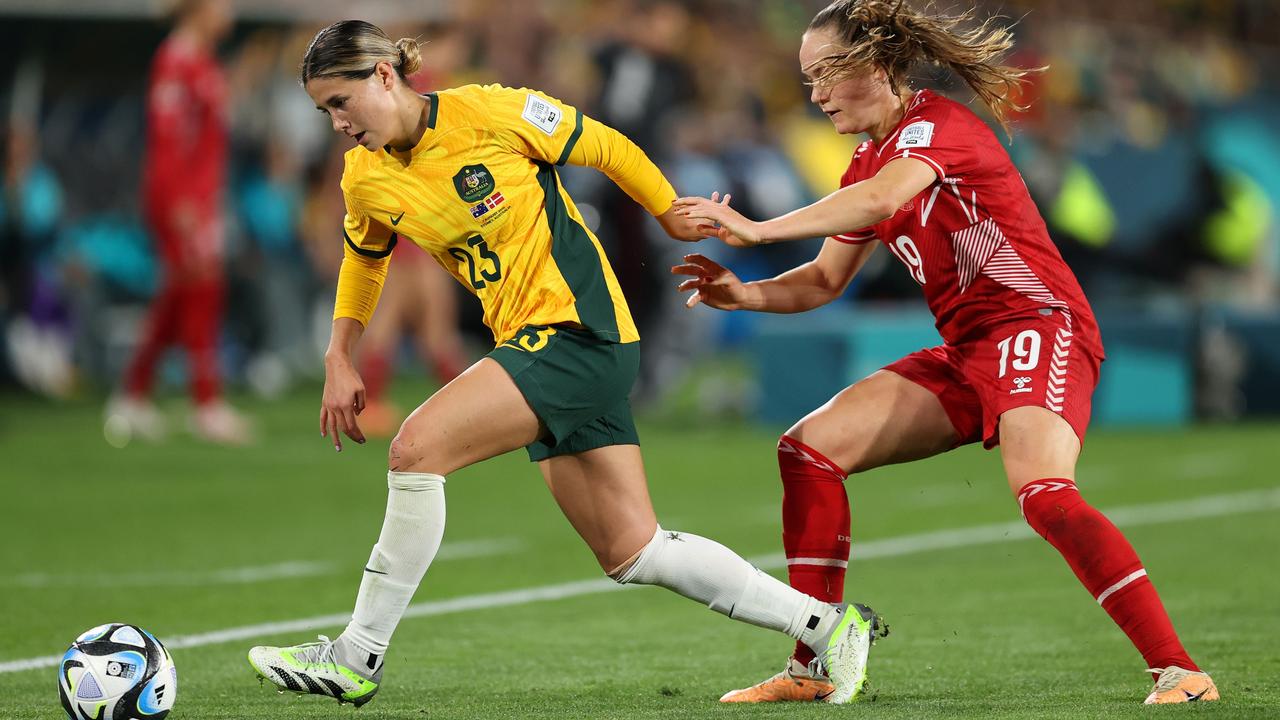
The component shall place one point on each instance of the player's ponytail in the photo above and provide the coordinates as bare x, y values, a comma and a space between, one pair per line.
891, 35
352, 48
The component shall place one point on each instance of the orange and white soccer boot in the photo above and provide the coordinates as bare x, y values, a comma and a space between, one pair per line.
837, 676
1176, 685
794, 684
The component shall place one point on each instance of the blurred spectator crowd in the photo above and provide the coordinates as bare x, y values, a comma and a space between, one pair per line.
1151, 146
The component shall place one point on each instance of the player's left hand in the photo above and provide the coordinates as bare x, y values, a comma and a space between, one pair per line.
717, 219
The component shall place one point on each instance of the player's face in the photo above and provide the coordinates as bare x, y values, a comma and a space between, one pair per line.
856, 103
363, 110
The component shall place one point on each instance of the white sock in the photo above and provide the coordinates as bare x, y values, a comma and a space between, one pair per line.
411, 533
706, 571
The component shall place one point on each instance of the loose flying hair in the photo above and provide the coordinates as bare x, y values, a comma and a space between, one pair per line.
351, 49
893, 36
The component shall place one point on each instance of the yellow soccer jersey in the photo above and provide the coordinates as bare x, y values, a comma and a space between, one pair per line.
480, 193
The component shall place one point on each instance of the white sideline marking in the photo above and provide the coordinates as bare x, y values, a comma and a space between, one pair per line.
1126, 516
242, 575
225, 576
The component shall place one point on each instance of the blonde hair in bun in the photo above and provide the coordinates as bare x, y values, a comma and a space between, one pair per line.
410, 56
352, 48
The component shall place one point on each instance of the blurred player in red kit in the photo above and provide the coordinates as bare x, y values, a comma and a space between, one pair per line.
1021, 348
183, 179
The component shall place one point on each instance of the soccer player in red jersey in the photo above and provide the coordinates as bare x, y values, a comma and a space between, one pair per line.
1021, 347
183, 179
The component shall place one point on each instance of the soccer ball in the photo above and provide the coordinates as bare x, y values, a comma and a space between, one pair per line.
117, 672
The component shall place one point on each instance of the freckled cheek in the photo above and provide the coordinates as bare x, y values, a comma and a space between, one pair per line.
358, 120
367, 118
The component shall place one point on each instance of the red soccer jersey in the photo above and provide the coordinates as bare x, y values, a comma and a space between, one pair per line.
186, 131
973, 240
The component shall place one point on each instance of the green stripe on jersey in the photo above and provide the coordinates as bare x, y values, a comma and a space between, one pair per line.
579, 261
573, 140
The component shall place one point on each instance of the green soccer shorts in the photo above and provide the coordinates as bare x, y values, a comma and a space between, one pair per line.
577, 384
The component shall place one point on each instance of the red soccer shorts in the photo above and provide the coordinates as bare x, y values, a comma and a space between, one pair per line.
1032, 362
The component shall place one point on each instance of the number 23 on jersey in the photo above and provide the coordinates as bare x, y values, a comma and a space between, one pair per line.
483, 265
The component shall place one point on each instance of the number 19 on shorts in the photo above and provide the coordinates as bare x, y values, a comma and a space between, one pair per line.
1025, 349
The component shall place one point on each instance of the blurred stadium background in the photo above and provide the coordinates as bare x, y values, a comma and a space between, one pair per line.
1152, 148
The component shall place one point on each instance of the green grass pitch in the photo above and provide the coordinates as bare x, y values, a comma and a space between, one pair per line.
186, 539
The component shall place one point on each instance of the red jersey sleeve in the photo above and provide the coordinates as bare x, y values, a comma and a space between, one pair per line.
940, 137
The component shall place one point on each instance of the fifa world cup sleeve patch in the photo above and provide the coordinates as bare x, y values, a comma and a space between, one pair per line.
542, 114
916, 135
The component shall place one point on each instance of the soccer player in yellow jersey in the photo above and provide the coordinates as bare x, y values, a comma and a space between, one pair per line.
469, 175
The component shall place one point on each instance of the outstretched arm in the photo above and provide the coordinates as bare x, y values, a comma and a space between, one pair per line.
850, 208
612, 153
808, 286
544, 129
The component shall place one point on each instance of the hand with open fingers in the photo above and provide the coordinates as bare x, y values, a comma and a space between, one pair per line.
343, 400
717, 219
712, 283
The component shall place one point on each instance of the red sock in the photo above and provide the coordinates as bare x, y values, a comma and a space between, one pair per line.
1107, 565
815, 524
375, 370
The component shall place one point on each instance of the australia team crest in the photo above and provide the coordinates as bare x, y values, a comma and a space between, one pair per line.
473, 182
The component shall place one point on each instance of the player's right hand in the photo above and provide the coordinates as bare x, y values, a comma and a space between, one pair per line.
712, 283
343, 400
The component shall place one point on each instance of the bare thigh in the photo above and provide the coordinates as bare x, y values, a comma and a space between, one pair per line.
479, 415
1036, 443
881, 420
605, 496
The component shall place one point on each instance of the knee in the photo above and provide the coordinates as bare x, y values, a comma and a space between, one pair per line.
411, 452
800, 452
628, 570
400, 456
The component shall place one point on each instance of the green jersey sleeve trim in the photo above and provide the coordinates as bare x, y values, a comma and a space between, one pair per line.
573, 140
375, 254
